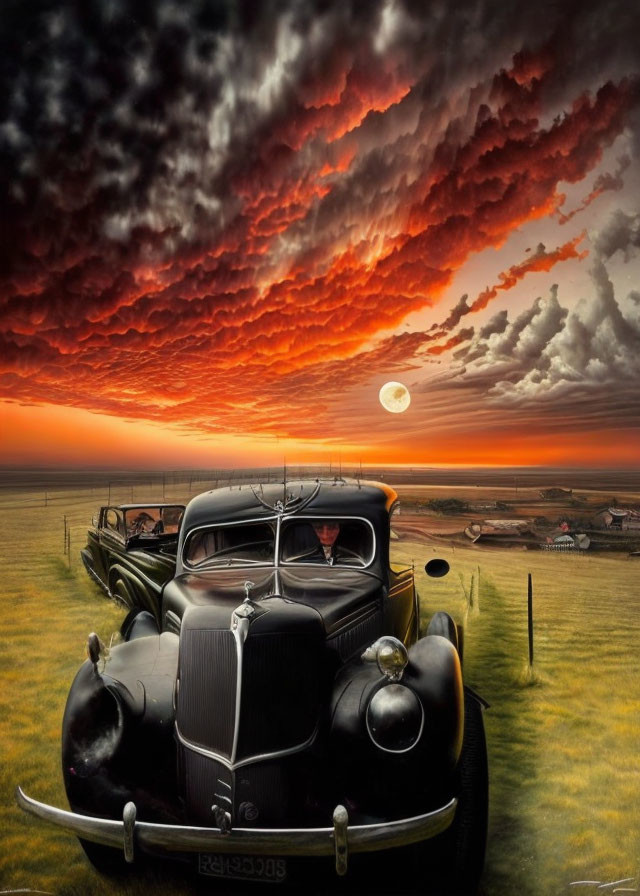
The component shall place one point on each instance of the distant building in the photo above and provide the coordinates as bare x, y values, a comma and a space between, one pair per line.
551, 494
623, 519
498, 530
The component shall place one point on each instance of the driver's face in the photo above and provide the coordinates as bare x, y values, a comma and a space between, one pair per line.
327, 532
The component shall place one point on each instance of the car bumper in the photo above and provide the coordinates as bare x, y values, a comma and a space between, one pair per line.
340, 839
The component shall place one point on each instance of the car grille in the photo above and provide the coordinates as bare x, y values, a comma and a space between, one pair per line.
280, 692
279, 703
207, 696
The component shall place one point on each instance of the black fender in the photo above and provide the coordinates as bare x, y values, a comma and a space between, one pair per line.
139, 624
93, 728
117, 731
423, 766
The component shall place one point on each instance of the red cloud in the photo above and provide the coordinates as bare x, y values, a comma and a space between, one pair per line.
541, 260
322, 247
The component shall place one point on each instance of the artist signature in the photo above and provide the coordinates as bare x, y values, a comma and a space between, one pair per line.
625, 885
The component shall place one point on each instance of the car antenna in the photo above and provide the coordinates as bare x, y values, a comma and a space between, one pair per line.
284, 484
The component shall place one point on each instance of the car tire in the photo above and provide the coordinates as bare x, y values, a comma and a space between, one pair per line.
453, 862
442, 624
468, 833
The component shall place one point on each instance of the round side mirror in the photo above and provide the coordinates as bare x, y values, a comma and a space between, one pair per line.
436, 568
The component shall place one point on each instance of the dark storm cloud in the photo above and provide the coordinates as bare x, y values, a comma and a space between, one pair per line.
249, 193
132, 119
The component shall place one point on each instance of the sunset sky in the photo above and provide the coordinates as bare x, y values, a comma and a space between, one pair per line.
226, 225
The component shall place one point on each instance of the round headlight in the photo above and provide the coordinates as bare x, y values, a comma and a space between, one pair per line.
392, 658
395, 718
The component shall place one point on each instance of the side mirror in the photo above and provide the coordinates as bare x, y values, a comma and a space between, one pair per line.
436, 568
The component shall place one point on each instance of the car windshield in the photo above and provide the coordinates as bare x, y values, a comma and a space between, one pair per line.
153, 520
337, 542
232, 543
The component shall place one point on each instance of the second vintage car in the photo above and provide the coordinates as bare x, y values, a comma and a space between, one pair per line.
272, 702
131, 552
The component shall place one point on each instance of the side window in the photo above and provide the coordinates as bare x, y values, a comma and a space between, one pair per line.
171, 517
113, 521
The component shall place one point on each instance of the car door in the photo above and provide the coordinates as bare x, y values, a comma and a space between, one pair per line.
111, 539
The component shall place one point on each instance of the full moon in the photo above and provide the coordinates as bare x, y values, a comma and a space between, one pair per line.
394, 397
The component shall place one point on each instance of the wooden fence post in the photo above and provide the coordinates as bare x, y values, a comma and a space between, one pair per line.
530, 615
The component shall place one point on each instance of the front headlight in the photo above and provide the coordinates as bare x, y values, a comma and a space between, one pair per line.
395, 718
391, 656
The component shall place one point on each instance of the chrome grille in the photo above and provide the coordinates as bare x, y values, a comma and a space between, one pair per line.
207, 693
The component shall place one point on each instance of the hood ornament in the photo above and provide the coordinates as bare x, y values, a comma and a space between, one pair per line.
246, 608
241, 616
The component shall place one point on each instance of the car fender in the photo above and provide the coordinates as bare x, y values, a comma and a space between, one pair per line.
117, 730
432, 740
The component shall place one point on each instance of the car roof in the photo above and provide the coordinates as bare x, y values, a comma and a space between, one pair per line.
144, 505
317, 497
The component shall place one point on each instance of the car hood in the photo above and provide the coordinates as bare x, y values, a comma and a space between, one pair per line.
335, 594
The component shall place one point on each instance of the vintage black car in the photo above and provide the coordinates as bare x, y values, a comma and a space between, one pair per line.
276, 704
131, 552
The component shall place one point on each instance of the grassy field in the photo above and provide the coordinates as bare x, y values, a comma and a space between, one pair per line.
563, 736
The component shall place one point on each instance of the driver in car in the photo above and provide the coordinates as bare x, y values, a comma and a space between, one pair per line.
329, 549
318, 541
327, 532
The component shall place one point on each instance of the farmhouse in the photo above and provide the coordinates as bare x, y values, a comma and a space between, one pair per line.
498, 530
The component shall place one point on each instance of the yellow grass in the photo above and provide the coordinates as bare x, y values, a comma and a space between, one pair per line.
563, 735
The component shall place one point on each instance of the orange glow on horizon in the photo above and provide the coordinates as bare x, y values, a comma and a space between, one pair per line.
79, 438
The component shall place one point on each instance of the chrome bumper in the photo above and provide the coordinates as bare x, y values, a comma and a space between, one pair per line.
338, 840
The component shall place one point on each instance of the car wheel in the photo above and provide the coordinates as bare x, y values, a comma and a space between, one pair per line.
105, 859
453, 862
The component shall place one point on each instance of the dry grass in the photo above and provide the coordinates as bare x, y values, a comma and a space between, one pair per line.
563, 735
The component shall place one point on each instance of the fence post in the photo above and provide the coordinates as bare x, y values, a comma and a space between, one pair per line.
530, 615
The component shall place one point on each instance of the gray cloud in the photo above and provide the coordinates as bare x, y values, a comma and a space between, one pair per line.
455, 315
621, 234
587, 358
498, 324
504, 349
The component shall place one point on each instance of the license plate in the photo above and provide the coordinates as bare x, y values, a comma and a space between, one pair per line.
264, 868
